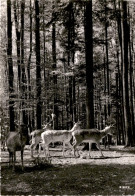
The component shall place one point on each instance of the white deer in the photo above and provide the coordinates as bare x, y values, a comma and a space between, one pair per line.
51, 136
90, 136
36, 137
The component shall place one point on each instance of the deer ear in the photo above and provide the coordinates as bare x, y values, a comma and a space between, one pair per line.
79, 122
112, 125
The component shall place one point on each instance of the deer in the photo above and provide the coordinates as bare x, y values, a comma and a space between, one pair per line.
36, 137
16, 141
90, 136
51, 136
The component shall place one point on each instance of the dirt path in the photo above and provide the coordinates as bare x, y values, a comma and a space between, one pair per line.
112, 175
113, 156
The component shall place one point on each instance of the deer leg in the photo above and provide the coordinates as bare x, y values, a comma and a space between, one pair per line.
98, 145
10, 158
48, 150
39, 150
22, 158
74, 151
70, 146
14, 159
74, 147
44, 150
90, 149
63, 148
31, 149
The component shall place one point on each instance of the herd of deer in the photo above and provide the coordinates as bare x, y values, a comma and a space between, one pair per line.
16, 140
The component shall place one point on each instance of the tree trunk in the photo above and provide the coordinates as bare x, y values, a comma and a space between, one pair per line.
89, 64
107, 62
17, 43
38, 69
55, 107
10, 66
23, 75
88, 28
125, 38
131, 85
28, 68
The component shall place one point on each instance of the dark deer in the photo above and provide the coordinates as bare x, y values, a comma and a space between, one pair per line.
16, 142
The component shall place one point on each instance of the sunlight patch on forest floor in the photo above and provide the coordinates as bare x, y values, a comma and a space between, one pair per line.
115, 155
112, 175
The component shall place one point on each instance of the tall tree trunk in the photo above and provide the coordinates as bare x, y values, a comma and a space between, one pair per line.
133, 75
105, 87
89, 64
10, 66
44, 61
107, 61
23, 75
28, 67
55, 107
17, 43
125, 38
71, 56
73, 59
120, 71
131, 84
38, 68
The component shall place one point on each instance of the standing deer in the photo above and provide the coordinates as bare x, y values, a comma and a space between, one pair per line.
51, 136
90, 136
16, 142
36, 137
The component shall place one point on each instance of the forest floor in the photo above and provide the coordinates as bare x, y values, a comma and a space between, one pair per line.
113, 174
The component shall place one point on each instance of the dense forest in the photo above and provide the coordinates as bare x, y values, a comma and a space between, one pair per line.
68, 60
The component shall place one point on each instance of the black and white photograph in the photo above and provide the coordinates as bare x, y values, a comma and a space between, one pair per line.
67, 97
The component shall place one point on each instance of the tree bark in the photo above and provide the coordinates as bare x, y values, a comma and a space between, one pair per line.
28, 67
107, 62
17, 43
125, 38
55, 107
23, 74
89, 64
38, 68
10, 66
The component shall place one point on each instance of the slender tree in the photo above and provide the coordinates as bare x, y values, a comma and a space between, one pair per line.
125, 63
38, 68
28, 66
131, 81
23, 74
71, 57
55, 108
10, 66
89, 64
17, 42
107, 60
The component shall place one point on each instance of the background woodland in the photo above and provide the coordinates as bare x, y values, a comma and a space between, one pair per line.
71, 58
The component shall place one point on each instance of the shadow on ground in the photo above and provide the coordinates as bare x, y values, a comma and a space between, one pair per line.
82, 179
